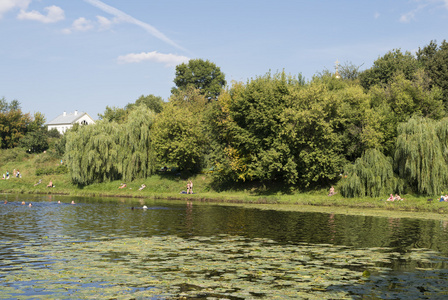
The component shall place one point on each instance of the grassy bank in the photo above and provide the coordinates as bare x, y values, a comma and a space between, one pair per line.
167, 185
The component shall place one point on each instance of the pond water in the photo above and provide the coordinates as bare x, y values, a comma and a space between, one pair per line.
112, 248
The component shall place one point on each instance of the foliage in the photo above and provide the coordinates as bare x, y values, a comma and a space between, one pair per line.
246, 267
10, 155
92, 153
114, 114
54, 133
385, 67
274, 128
199, 74
178, 133
358, 125
59, 144
152, 102
434, 59
136, 153
371, 175
108, 151
349, 71
62, 169
35, 141
13, 123
421, 155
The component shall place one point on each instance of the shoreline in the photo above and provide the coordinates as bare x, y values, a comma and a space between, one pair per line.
351, 208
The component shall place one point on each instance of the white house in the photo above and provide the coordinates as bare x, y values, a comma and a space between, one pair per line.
66, 121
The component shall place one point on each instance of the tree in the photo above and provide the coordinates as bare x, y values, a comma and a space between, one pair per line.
371, 175
435, 61
136, 146
276, 129
178, 132
38, 123
420, 157
35, 141
202, 75
384, 68
114, 114
109, 151
152, 102
13, 123
349, 71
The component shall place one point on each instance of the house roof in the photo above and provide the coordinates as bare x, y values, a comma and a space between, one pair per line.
67, 118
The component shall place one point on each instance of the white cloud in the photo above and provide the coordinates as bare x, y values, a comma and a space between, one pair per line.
411, 15
127, 18
376, 15
104, 23
7, 5
80, 24
54, 14
407, 17
168, 59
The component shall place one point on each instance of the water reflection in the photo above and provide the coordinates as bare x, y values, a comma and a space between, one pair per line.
94, 218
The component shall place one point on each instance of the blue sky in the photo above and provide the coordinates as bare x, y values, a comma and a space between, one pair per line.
66, 55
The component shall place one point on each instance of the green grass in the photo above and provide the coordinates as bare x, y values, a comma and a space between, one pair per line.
169, 185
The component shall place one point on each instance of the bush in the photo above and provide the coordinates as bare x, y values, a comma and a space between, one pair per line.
52, 171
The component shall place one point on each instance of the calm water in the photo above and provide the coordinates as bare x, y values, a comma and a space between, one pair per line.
92, 219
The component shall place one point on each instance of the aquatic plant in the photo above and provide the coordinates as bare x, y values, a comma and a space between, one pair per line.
230, 267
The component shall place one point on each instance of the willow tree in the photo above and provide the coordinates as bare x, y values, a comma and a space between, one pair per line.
371, 175
92, 153
109, 151
136, 158
421, 154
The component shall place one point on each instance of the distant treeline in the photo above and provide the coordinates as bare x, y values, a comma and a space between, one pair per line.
373, 132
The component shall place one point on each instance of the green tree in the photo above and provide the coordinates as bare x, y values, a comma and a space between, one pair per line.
92, 153
434, 59
35, 141
154, 103
384, 68
370, 175
276, 129
355, 121
420, 157
13, 123
109, 151
200, 74
136, 147
349, 71
114, 114
37, 123
178, 131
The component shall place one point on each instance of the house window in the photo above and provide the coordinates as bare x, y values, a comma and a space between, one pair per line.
84, 122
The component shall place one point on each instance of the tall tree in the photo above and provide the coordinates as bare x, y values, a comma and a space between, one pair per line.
370, 175
114, 114
136, 145
200, 74
109, 151
178, 131
13, 123
420, 157
385, 67
435, 61
154, 103
276, 129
